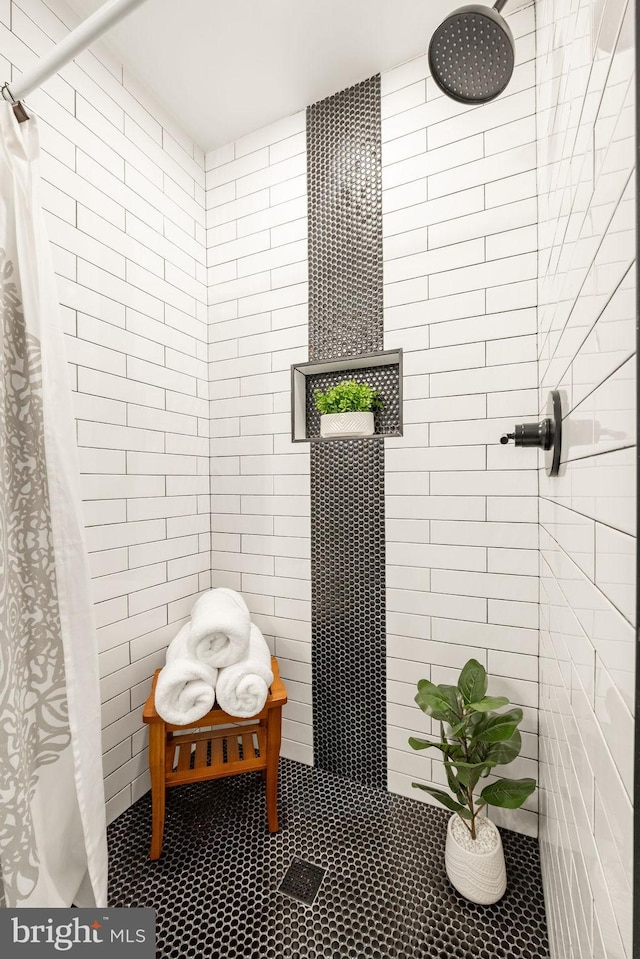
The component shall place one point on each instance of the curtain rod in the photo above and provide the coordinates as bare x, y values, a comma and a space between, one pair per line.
74, 43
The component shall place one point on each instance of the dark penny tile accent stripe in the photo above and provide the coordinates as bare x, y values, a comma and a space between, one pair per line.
344, 174
344, 184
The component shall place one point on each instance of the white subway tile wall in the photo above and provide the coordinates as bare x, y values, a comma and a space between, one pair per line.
257, 273
586, 180
123, 191
460, 242
184, 301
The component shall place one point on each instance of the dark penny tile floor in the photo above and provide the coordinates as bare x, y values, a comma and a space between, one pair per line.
384, 895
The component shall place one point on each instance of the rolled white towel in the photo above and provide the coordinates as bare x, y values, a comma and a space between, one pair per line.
243, 688
220, 625
180, 646
185, 691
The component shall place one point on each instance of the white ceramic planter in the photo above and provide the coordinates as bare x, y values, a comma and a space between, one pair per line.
480, 877
346, 424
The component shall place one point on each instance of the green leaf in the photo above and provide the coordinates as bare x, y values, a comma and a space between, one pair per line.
508, 793
465, 777
451, 750
445, 799
500, 728
453, 698
447, 750
489, 702
477, 722
499, 754
472, 683
458, 728
463, 765
422, 743
455, 786
431, 701
469, 774
348, 396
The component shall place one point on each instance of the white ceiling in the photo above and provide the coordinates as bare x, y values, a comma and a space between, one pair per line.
224, 68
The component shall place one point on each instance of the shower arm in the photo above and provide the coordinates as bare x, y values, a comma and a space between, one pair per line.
499, 4
74, 43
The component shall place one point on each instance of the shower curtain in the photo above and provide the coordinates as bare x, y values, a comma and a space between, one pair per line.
52, 818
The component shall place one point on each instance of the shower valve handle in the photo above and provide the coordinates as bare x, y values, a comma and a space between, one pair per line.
531, 434
545, 435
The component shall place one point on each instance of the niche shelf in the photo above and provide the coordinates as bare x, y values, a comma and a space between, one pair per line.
382, 370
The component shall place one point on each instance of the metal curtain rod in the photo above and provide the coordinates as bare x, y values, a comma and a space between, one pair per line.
74, 43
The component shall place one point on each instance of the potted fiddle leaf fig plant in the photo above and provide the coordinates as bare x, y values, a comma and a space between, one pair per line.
347, 409
474, 739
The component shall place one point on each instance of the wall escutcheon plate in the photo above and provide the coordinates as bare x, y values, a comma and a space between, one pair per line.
554, 414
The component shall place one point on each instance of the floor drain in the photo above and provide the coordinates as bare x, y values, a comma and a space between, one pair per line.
302, 881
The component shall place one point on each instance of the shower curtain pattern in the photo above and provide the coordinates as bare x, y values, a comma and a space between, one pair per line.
34, 726
52, 826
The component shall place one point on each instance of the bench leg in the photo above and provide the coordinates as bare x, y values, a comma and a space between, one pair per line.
157, 758
274, 735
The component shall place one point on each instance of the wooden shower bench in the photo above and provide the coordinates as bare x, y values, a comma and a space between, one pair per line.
225, 749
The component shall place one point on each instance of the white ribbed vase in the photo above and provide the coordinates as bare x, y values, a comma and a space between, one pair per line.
480, 877
346, 424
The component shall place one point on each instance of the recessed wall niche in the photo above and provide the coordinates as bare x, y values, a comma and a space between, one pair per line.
382, 370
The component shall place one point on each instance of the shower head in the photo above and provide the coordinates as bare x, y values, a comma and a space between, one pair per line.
472, 53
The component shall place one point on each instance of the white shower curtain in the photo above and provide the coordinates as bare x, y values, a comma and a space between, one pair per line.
52, 816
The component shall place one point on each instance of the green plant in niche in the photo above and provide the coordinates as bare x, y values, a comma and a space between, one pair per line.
476, 740
348, 397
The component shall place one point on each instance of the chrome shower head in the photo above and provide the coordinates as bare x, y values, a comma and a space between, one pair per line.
472, 53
